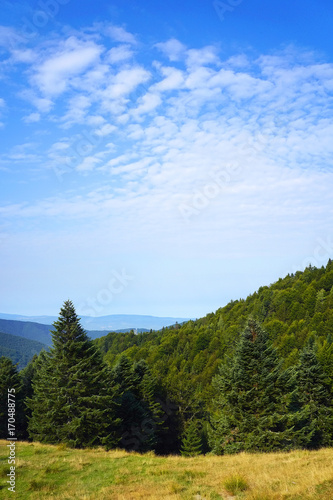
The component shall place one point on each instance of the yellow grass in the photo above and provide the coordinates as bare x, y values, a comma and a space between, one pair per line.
55, 472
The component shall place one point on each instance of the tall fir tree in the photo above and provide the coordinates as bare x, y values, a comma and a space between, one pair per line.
312, 401
191, 442
73, 399
251, 407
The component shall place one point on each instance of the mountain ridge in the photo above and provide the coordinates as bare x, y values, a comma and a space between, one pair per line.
106, 323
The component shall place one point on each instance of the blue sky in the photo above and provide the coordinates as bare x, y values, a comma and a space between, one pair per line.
162, 158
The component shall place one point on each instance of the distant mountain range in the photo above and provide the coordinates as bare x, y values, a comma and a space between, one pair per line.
37, 329
109, 323
23, 336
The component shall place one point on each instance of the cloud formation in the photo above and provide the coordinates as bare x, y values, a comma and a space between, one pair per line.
171, 148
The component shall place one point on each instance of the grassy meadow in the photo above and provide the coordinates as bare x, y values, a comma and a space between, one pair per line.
57, 472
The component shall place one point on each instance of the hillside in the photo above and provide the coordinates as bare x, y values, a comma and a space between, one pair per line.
28, 330
57, 472
19, 349
40, 333
184, 358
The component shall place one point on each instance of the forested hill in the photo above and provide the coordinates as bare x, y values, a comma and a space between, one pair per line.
292, 310
19, 349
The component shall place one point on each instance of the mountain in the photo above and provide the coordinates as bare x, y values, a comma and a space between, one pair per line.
108, 323
294, 310
19, 349
28, 330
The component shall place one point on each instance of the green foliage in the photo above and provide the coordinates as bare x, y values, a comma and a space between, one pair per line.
73, 395
139, 410
156, 383
185, 359
19, 349
313, 401
191, 442
27, 329
252, 395
10, 380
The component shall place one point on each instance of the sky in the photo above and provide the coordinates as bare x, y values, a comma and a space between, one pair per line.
162, 158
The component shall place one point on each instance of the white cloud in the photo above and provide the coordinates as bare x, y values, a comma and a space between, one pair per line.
201, 57
119, 54
244, 144
119, 34
147, 103
105, 130
174, 79
124, 82
78, 107
27, 56
88, 164
54, 74
173, 49
32, 118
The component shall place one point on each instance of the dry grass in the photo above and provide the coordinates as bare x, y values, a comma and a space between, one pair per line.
55, 472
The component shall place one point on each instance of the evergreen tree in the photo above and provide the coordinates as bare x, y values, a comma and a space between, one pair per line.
313, 402
191, 442
251, 406
136, 406
73, 400
149, 397
26, 376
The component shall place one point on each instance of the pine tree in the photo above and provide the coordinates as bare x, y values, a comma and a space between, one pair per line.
73, 400
251, 406
191, 442
313, 402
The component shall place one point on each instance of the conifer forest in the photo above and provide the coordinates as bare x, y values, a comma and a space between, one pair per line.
256, 376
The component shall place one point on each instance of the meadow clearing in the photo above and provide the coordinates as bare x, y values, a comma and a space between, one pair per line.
57, 472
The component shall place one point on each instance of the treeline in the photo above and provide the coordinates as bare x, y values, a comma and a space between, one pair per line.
256, 376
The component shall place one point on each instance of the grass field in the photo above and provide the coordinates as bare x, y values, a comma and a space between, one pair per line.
56, 472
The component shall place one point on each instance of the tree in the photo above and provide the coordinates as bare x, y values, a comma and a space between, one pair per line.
251, 405
138, 410
191, 442
26, 375
313, 401
73, 400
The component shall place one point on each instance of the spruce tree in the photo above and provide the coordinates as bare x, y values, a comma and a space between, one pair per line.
313, 402
148, 394
73, 400
191, 442
251, 406
136, 407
